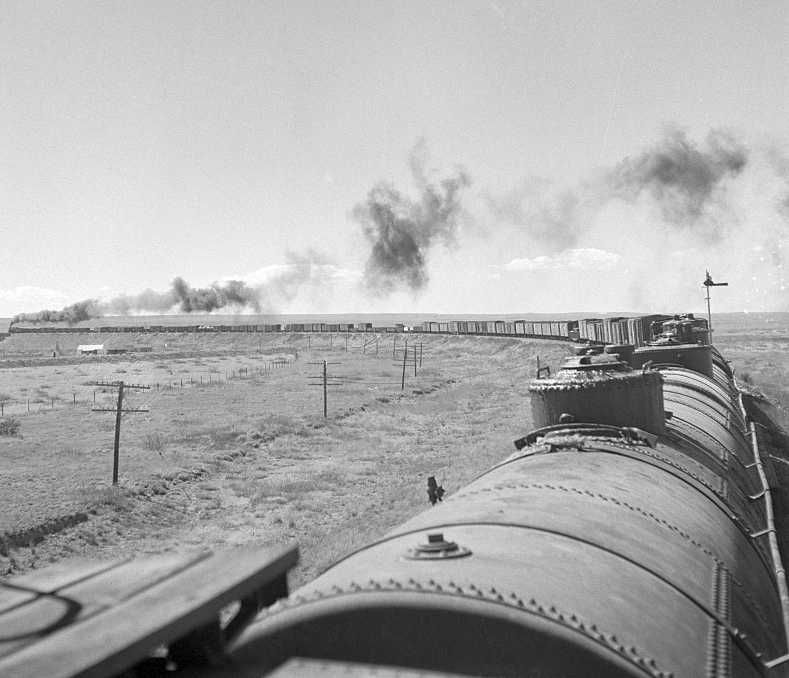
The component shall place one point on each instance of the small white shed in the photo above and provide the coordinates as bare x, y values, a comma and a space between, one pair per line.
90, 349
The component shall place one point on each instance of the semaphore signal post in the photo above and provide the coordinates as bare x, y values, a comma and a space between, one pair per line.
709, 283
118, 409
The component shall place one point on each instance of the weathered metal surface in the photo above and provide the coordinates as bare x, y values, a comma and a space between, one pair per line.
582, 530
693, 357
602, 391
321, 668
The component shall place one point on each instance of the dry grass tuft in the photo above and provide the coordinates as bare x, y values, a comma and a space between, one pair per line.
154, 442
113, 497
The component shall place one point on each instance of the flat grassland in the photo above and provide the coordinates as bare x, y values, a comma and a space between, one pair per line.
761, 361
247, 457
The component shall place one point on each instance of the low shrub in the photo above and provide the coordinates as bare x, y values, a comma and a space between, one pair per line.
154, 442
9, 426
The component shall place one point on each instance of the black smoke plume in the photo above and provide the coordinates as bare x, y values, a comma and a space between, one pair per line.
401, 230
82, 310
207, 299
681, 177
184, 298
685, 181
677, 206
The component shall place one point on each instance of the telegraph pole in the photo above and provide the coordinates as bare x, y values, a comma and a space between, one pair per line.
323, 380
709, 283
405, 357
118, 409
117, 447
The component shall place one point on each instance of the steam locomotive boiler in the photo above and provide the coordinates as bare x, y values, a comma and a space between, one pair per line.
629, 535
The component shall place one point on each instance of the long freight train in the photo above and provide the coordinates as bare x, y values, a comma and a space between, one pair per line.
631, 534
614, 330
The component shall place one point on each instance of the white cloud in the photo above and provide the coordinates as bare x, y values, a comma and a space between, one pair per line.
270, 273
582, 259
25, 298
263, 275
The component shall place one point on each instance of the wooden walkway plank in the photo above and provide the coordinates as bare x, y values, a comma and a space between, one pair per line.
25, 588
65, 573
26, 624
116, 638
128, 579
10, 597
64, 598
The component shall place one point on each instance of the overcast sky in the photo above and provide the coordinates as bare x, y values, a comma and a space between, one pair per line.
594, 156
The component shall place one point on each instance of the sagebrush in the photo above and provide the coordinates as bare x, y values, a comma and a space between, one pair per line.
9, 426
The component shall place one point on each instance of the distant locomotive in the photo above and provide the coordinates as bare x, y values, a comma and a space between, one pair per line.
630, 534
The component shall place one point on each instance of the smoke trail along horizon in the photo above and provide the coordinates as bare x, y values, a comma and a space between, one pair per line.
181, 295
309, 267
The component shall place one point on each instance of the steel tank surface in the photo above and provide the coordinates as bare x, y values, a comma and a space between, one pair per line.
607, 556
597, 549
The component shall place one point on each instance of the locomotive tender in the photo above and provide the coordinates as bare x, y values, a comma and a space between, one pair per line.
631, 534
